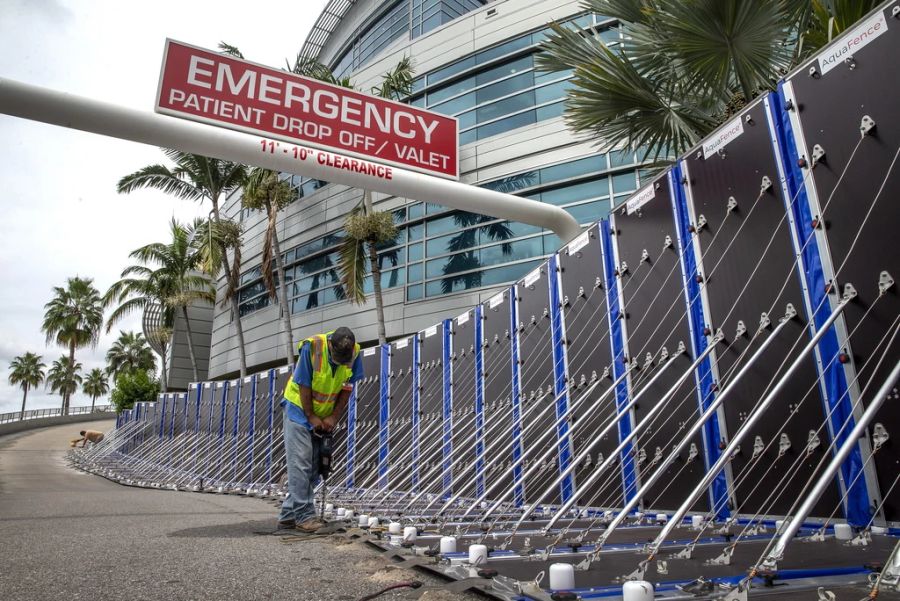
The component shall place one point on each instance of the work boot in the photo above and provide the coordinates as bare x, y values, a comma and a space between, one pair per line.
286, 525
311, 525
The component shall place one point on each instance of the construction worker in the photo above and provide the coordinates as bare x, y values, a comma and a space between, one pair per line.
87, 436
315, 398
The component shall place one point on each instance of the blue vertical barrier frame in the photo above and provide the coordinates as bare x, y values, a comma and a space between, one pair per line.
697, 321
832, 377
271, 398
209, 417
197, 426
234, 428
617, 346
141, 416
184, 397
251, 433
197, 406
447, 407
223, 414
560, 380
416, 411
162, 418
518, 488
223, 409
479, 400
351, 434
172, 419
384, 414
137, 417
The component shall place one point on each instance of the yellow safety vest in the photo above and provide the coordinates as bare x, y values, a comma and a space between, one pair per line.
326, 385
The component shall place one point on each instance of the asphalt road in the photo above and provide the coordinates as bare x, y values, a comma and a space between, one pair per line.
70, 535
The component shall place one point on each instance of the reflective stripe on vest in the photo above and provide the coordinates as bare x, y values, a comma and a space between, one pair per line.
326, 386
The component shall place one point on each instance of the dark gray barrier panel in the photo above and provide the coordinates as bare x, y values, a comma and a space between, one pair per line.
536, 367
247, 454
400, 433
431, 399
498, 386
159, 423
855, 200
657, 326
243, 447
368, 403
279, 466
225, 394
264, 420
384, 415
463, 383
191, 415
584, 309
746, 268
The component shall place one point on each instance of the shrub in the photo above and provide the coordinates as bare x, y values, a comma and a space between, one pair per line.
133, 387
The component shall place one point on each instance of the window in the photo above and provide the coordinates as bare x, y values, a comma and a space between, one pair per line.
403, 18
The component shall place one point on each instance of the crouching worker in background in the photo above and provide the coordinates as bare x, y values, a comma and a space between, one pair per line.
315, 398
87, 436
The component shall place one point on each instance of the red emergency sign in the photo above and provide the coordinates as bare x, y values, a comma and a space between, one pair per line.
222, 90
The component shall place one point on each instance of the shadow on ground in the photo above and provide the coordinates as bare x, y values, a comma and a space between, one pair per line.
239, 530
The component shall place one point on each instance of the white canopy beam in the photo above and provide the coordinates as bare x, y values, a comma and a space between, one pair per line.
77, 112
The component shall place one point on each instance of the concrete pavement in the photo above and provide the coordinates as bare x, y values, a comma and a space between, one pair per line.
71, 535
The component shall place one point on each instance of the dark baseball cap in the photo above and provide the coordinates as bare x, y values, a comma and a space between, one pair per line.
342, 343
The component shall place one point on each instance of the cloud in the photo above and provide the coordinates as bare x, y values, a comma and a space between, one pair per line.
61, 214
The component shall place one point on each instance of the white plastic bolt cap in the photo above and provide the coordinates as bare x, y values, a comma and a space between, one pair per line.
562, 577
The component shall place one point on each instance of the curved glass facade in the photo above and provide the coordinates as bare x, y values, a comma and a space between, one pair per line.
439, 251
442, 258
396, 19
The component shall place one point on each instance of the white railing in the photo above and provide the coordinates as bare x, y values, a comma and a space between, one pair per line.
55, 412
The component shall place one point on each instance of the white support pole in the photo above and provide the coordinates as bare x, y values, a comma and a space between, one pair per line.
755, 416
85, 114
827, 477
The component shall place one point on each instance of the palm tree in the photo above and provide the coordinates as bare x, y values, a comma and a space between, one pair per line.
200, 178
174, 284
73, 318
359, 252
27, 372
366, 228
264, 190
95, 385
64, 377
130, 352
685, 65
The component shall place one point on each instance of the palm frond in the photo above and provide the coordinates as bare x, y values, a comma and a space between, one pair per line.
396, 83
159, 177
126, 309
230, 50
353, 268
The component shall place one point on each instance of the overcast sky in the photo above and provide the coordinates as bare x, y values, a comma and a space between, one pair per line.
61, 215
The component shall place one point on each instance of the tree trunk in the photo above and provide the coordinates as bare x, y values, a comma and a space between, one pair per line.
376, 284
376, 272
67, 397
162, 371
282, 293
24, 397
93, 400
235, 309
190, 339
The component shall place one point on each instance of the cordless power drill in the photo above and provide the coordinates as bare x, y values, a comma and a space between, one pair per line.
325, 452
326, 449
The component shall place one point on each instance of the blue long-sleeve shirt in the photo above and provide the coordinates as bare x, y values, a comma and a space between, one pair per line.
303, 377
